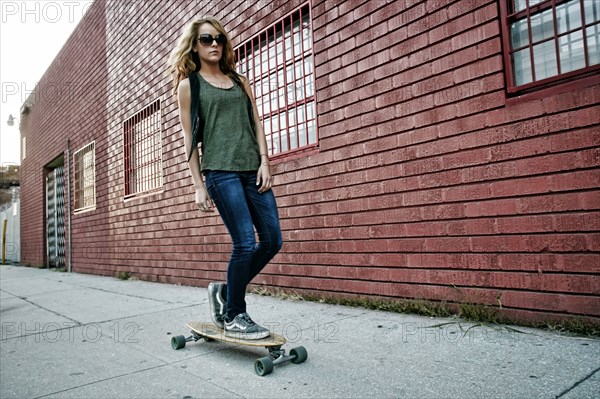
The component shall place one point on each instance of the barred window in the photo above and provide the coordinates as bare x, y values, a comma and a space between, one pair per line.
143, 150
280, 66
548, 41
84, 165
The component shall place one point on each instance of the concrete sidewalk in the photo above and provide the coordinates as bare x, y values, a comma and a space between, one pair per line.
81, 336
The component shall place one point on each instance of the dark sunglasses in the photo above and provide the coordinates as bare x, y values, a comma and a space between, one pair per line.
207, 40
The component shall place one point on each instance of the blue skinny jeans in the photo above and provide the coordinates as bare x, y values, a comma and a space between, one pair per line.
243, 209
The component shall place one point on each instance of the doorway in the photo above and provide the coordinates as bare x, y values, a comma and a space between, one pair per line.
55, 214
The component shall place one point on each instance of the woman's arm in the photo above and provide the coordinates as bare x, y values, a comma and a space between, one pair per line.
184, 99
263, 176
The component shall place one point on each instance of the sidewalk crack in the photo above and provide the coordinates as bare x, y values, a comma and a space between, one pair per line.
578, 383
125, 294
41, 307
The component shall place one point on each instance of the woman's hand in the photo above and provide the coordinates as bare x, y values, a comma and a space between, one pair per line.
264, 178
203, 200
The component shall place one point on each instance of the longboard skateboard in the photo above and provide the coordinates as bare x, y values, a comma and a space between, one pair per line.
264, 365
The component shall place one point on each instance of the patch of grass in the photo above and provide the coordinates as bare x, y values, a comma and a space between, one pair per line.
123, 275
490, 315
574, 326
278, 293
419, 307
478, 314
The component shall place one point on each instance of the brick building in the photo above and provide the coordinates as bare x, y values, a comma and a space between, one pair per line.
446, 150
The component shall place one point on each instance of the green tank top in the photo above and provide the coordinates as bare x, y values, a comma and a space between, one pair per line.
229, 140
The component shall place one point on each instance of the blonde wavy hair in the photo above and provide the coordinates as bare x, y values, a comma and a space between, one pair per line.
183, 60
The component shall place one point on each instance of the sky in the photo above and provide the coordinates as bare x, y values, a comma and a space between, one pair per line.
32, 32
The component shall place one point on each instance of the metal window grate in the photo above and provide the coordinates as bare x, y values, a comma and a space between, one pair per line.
84, 165
550, 40
280, 66
143, 150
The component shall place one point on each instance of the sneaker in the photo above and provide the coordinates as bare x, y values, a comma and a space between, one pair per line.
218, 305
243, 327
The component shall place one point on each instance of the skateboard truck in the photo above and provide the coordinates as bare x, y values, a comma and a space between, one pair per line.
264, 365
194, 337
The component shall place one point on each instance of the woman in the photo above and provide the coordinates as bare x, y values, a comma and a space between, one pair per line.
218, 110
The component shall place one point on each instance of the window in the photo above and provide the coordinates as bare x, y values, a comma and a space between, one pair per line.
143, 150
84, 161
280, 66
549, 41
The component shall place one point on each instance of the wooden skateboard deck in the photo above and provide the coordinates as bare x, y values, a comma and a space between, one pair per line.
262, 366
209, 330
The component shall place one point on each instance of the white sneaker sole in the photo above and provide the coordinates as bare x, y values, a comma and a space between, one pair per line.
247, 336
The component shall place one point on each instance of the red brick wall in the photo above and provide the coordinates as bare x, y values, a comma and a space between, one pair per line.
68, 104
428, 183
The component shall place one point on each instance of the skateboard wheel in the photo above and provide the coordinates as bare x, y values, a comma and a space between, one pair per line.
178, 342
263, 366
300, 354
